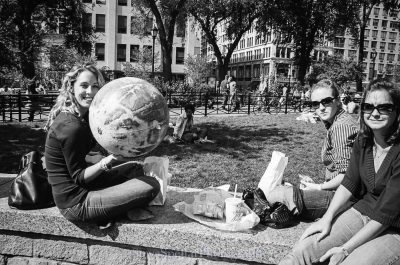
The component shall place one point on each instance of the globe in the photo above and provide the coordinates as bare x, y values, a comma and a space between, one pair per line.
129, 117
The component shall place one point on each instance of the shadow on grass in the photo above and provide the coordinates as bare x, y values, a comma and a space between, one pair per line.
17, 140
238, 142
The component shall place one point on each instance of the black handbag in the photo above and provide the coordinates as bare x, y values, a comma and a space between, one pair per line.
30, 189
276, 215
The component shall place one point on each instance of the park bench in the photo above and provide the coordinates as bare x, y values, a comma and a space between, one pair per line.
44, 236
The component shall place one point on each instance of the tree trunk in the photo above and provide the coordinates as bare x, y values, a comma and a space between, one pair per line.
361, 47
167, 62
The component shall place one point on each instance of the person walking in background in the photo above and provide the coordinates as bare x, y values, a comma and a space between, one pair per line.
311, 202
33, 104
369, 232
233, 95
225, 89
98, 192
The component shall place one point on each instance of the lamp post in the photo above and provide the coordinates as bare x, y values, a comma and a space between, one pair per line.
154, 33
373, 55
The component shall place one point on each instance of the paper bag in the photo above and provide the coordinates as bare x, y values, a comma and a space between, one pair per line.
274, 173
157, 167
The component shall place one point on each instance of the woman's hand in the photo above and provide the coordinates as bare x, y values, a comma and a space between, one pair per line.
322, 226
336, 255
310, 186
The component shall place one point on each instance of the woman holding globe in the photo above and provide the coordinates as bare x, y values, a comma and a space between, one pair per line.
94, 193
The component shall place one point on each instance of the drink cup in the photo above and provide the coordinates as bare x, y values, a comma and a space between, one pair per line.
233, 209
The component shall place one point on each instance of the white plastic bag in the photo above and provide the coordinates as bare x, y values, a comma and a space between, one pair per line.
157, 167
274, 173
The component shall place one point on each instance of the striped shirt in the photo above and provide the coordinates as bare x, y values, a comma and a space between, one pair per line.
338, 143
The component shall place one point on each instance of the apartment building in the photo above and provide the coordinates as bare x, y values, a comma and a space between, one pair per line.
118, 42
263, 54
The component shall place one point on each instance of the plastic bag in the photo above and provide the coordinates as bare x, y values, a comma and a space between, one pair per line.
157, 167
274, 173
216, 198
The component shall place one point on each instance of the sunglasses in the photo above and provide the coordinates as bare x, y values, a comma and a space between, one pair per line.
325, 102
383, 109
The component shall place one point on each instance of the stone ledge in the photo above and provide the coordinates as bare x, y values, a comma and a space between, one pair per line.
168, 233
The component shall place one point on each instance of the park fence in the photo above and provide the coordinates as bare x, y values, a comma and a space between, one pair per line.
17, 107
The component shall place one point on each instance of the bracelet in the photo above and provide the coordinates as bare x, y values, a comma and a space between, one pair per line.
104, 166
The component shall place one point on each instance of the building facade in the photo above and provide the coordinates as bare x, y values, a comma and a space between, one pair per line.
260, 54
118, 42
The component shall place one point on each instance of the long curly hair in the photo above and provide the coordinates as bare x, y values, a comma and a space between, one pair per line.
66, 101
394, 92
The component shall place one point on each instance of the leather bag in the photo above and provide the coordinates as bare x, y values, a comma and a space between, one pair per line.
30, 189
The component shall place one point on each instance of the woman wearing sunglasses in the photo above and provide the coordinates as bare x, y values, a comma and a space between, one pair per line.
368, 232
311, 202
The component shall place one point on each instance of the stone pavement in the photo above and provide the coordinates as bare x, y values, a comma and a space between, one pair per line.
169, 238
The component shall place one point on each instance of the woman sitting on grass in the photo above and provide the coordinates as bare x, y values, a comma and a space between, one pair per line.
369, 232
313, 200
95, 193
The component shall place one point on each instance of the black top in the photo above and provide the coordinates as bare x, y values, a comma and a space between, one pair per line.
379, 192
68, 141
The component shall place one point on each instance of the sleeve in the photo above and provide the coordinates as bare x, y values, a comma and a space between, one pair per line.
352, 180
387, 208
178, 126
73, 147
342, 138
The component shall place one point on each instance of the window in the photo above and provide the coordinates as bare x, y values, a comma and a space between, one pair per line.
383, 34
123, 2
366, 44
134, 55
100, 23
385, 12
180, 55
376, 11
180, 29
100, 51
375, 22
373, 44
393, 13
149, 25
390, 57
122, 24
87, 20
380, 67
382, 45
384, 23
366, 33
392, 35
87, 1
121, 53
391, 46
101, 2
339, 42
393, 24
374, 33
381, 56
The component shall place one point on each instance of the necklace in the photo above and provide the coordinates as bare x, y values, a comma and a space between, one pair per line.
381, 153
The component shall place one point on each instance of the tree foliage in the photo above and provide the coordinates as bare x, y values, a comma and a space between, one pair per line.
305, 23
143, 67
168, 15
339, 70
26, 23
197, 69
63, 59
236, 17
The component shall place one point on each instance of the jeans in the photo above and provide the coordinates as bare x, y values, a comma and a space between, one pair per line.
307, 204
195, 134
113, 198
383, 250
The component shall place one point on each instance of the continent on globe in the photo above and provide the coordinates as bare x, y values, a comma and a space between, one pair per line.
129, 117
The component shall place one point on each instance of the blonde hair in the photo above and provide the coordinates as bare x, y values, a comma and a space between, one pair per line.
66, 100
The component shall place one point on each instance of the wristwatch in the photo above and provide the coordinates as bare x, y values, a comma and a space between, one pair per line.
345, 252
106, 167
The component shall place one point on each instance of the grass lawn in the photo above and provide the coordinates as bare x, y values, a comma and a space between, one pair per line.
243, 148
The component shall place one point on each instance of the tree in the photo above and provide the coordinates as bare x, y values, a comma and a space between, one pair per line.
168, 15
360, 20
197, 69
305, 24
142, 68
63, 59
26, 23
339, 70
236, 16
